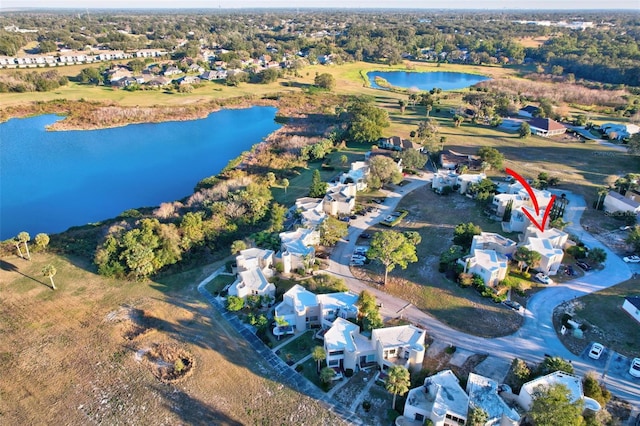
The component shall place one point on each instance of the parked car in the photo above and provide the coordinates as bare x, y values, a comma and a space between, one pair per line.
353, 216
632, 259
365, 235
513, 305
544, 279
358, 258
585, 266
596, 351
634, 370
569, 270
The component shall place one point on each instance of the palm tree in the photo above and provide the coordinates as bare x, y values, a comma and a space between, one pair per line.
402, 104
602, 191
326, 375
24, 237
428, 108
398, 382
533, 259
42, 241
50, 271
237, 246
344, 159
520, 256
285, 185
17, 242
318, 354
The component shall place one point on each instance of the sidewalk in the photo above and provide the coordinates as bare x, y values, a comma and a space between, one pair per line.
286, 374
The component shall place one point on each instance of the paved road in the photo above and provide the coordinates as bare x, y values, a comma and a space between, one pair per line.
537, 336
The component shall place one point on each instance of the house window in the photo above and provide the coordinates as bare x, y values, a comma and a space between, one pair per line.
334, 362
334, 353
313, 318
419, 417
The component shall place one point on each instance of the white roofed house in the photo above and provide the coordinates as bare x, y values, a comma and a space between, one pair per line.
556, 237
465, 179
297, 248
357, 174
311, 211
493, 241
619, 131
550, 256
337, 305
299, 308
340, 199
483, 393
571, 382
520, 198
615, 202
402, 345
444, 178
631, 305
253, 271
440, 399
490, 265
346, 348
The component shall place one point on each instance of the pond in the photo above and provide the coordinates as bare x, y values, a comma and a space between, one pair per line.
426, 80
50, 181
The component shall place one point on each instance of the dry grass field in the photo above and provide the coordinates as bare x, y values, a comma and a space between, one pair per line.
97, 351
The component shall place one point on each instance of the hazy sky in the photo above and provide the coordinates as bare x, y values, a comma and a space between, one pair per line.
413, 4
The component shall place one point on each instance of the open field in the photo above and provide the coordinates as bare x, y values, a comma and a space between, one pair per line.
609, 323
77, 355
435, 217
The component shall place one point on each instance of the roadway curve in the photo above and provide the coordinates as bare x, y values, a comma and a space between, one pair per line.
537, 336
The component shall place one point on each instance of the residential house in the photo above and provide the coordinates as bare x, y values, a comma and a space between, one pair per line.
571, 382
444, 178
490, 265
299, 308
171, 70
453, 160
311, 211
214, 75
619, 131
440, 399
632, 306
118, 73
346, 348
297, 248
492, 241
465, 179
189, 79
556, 237
357, 174
529, 111
483, 394
615, 202
195, 68
518, 197
159, 82
397, 143
546, 127
551, 257
337, 305
303, 309
254, 268
401, 345
340, 199
150, 53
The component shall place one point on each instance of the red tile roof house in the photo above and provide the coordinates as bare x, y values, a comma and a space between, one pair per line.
546, 127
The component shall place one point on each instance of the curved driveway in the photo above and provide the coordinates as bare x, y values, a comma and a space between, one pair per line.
537, 336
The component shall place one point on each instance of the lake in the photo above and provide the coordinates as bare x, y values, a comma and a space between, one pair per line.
50, 181
426, 80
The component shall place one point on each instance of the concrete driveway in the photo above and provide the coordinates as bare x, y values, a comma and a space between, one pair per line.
537, 336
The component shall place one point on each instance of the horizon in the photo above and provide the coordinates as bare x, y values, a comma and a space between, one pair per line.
327, 5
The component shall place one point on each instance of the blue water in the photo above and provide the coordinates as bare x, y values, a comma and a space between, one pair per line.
50, 181
427, 80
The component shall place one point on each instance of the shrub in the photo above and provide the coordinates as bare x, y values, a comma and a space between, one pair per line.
348, 372
366, 406
299, 368
450, 349
279, 267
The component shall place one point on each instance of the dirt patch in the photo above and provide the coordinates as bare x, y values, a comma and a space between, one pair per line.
168, 363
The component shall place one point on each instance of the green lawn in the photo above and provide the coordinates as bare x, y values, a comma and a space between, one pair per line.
435, 217
217, 284
299, 347
616, 328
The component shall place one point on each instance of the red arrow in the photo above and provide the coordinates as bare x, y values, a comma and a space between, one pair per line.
534, 200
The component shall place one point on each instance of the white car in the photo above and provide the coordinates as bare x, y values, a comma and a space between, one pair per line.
596, 350
544, 279
634, 370
632, 259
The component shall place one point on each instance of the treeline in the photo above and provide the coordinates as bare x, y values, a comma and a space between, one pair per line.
607, 53
32, 81
236, 204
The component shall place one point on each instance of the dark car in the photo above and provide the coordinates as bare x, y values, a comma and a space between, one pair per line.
569, 270
585, 266
353, 217
365, 235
